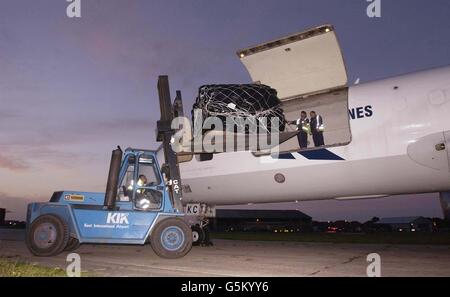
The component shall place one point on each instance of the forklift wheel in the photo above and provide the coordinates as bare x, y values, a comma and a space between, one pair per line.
171, 238
72, 245
48, 235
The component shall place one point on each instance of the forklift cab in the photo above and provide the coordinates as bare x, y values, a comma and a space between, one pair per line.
141, 184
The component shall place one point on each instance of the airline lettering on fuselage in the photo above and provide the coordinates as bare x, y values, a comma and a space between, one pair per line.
360, 112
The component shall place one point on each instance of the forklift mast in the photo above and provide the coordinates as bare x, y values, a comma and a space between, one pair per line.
164, 134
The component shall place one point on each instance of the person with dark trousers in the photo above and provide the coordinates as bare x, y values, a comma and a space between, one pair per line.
303, 125
317, 128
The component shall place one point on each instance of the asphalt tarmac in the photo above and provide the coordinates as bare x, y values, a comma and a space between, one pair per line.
245, 258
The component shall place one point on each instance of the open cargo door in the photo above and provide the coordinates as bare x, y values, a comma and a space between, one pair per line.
308, 74
308, 71
299, 64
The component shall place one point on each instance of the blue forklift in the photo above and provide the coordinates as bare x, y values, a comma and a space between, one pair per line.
142, 203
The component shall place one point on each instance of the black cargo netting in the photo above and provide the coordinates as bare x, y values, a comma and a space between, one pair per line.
236, 102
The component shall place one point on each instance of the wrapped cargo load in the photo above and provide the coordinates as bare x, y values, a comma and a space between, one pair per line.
235, 102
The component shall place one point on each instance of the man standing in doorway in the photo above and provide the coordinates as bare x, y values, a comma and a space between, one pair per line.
317, 128
303, 125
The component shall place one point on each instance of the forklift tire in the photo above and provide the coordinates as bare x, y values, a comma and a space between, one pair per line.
198, 235
72, 245
171, 238
48, 235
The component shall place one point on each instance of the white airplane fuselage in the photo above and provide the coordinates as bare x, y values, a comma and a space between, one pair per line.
400, 140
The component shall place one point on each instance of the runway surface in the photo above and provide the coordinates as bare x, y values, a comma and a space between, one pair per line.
242, 258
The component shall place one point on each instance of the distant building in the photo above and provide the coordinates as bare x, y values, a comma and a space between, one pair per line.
407, 224
229, 220
2, 216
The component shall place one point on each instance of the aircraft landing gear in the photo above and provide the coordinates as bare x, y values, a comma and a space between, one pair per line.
445, 204
201, 235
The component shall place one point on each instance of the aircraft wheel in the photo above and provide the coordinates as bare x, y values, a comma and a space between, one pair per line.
48, 235
171, 238
72, 245
198, 235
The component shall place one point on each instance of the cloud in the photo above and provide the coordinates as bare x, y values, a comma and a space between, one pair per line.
22, 157
7, 114
12, 163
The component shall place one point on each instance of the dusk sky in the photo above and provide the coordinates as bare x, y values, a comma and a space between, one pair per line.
73, 89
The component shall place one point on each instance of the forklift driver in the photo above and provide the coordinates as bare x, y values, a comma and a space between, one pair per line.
142, 182
146, 198
142, 201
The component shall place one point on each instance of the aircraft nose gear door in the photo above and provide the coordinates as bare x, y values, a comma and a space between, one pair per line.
432, 151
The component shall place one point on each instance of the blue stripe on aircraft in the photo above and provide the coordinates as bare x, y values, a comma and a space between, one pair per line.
322, 154
284, 156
